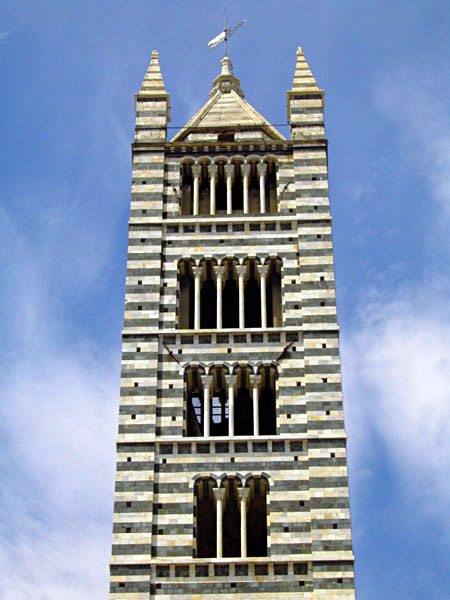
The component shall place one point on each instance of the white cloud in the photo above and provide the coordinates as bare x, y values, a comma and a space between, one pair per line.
396, 365
4, 35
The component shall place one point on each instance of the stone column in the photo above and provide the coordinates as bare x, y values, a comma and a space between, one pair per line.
219, 497
230, 381
255, 380
206, 380
263, 270
262, 171
196, 173
212, 170
245, 170
197, 274
219, 271
242, 270
243, 497
229, 174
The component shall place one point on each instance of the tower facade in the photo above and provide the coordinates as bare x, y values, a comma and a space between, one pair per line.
231, 454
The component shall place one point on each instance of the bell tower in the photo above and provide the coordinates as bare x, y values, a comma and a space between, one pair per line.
231, 453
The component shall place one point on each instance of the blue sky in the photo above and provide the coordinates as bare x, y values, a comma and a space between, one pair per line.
69, 72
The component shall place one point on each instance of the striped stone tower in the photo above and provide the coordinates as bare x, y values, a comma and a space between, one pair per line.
231, 454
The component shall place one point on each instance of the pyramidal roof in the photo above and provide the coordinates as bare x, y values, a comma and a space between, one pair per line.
227, 108
303, 77
153, 81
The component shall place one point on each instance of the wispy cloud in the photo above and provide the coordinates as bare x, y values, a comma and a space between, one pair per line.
396, 364
4, 35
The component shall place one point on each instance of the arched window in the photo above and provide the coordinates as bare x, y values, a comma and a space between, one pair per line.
231, 519
230, 296
267, 402
208, 297
194, 402
205, 518
257, 517
243, 406
186, 295
186, 189
252, 295
273, 294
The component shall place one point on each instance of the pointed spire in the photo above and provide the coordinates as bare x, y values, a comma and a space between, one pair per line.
226, 81
153, 81
303, 77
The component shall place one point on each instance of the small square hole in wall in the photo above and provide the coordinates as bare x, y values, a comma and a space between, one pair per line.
174, 418
339, 580
286, 529
138, 349
324, 345
128, 530
288, 416
164, 284
293, 281
164, 461
322, 278
140, 282
142, 240
333, 455
229, 350
315, 207
291, 239
160, 531
170, 386
128, 458
334, 525
139, 307
324, 380
121, 584
291, 210
128, 503
136, 384
322, 304
180, 351
144, 181
314, 178
327, 412
318, 236
301, 583
301, 503
233, 585
295, 458
133, 417
296, 306
299, 383
232, 459
144, 212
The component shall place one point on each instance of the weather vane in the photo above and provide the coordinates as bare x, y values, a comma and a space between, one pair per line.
224, 35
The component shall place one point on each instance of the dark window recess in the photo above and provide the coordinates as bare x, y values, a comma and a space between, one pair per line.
221, 228
274, 337
229, 350
281, 569
205, 228
133, 416
184, 448
127, 529
139, 282
189, 229
138, 349
318, 236
286, 529
162, 571
301, 583
170, 339
300, 568
299, 383
322, 278
164, 461
165, 449
170, 386
204, 339
172, 229
339, 579
226, 136
332, 455
255, 227
222, 448
144, 212
295, 458
278, 446
128, 503
241, 447
174, 418
221, 570
301, 503
238, 227
201, 571
240, 339
121, 584
139, 307
187, 339
222, 339
128, 458
233, 585
296, 446
322, 304
202, 448
257, 338
314, 178
315, 207
334, 525
181, 571
286, 226
291, 337
324, 380
269, 226
327, 412
232, 459
136, 384
324, 345
142, 240
241, 570
259, 446
288, 416
261, 570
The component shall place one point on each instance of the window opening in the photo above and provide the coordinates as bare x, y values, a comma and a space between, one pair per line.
257, 517
208, 299
238, 190
230, 302
273, 294
205, 525
231, 520
186, 190
252, 297
243, 406
221, 190
267, 403
186, 296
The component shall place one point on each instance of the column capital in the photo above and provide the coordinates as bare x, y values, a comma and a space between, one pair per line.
230, 380
262, 169
196, 170
255, 380
197, 271
206, 381
244, 496
229, 170
219, 496
219, 271
242, 270
263, 270
212, 171
245, 169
